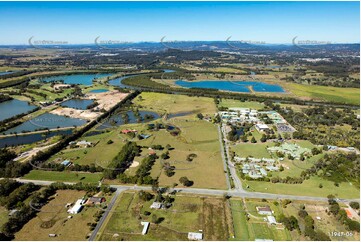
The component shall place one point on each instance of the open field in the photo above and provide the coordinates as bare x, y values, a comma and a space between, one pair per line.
327, 93
166, 103
255, 227
3, 216
307, 188
53, 219
187, 214
101, 154
198, 137
257, 150
65, 176
230, 103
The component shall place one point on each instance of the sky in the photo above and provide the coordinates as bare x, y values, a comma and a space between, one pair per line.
270, 22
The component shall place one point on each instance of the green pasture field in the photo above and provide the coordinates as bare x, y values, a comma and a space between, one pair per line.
65, 176
187, 214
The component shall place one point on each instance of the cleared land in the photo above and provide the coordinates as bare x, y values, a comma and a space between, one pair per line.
187, 214
53, 219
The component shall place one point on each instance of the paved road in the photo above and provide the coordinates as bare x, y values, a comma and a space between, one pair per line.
210, 192
236, 180
223, 156
105, 214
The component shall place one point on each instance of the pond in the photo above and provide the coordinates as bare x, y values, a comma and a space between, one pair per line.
234, 86
30, 138
168, 71
14, 107
118, 81
77, 103
99, 90
127, 117
81, 79
46, 121
6, 73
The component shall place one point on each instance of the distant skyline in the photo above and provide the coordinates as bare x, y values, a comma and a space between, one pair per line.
269, 22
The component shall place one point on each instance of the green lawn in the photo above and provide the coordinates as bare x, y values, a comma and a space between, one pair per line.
65, 176
230, 103
258, 150
240, 223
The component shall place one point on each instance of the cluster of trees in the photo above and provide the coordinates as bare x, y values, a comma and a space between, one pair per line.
18, 195
76, 167
321, 125
309, 228
142, 175
341, 215
122, 161
339, 167
4, 98
291, 223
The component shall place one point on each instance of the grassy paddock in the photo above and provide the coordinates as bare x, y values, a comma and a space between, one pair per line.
327, 93
188, 214
52, 219
65, 176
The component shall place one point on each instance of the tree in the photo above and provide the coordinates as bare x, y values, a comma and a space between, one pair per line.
200, 116
145, 196
263, 138
355, 205
253, 140
185, 181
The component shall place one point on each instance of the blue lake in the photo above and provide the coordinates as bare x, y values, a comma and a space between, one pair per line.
98, 91
14, 107
118, 119
234, 86
46, 121
82, 79
77, 103
30, 138
118, 82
